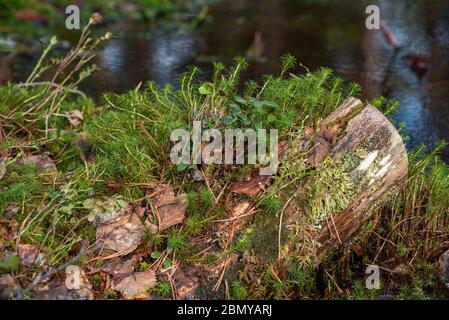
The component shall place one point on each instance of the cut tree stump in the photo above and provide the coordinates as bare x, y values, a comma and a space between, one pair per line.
369, 153
380, 167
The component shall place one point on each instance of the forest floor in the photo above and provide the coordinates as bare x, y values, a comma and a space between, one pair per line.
88, 193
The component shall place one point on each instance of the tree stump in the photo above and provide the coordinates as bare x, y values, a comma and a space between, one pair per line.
359, 161
378, 165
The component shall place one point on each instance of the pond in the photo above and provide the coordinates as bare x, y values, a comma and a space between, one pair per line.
318, 33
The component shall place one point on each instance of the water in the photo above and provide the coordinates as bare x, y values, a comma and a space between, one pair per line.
318, 33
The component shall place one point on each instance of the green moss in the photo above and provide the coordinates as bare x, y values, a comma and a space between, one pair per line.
21, 184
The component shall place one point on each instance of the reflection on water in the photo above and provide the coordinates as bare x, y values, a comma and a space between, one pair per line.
327, 33
159, 56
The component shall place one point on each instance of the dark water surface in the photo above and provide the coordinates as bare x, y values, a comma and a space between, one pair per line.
318, 33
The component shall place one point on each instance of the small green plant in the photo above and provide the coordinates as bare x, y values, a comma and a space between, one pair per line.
206, 199
403, 250
110, 294
271, 204
163, 289
238, 291
243, 242
143, 265
175, 241
302, 278
358, 291
194, 224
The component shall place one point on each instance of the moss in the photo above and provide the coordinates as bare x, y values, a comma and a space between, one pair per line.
130, 136
21, 184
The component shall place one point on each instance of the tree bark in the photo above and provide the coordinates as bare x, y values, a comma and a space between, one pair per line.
379, 165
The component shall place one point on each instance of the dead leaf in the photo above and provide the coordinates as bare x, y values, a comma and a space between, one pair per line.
29, 255
11, 210
235, 209
357, 248
185, 282
42, 162
330, 134
185, 286
123, 235
254, 186
320, 143
122, 265
319, 151
75, 117
240, 209
197, 175
119, 225
135, 285
168, 208
57, 289
104, 211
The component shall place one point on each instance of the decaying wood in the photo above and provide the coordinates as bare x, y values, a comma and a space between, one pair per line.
383, 164
368, 152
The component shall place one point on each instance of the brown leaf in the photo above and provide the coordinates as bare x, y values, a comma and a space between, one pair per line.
197, 175
11, 210
135, 285
119, 225
57, 289
104, 211
168, 208
42, 162
357, 248
123, 235
30, 255
185, 285
122, 265
321, 148
254, 186
185, 281
240, 208
330, 134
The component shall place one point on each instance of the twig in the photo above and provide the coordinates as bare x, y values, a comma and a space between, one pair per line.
48, 83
